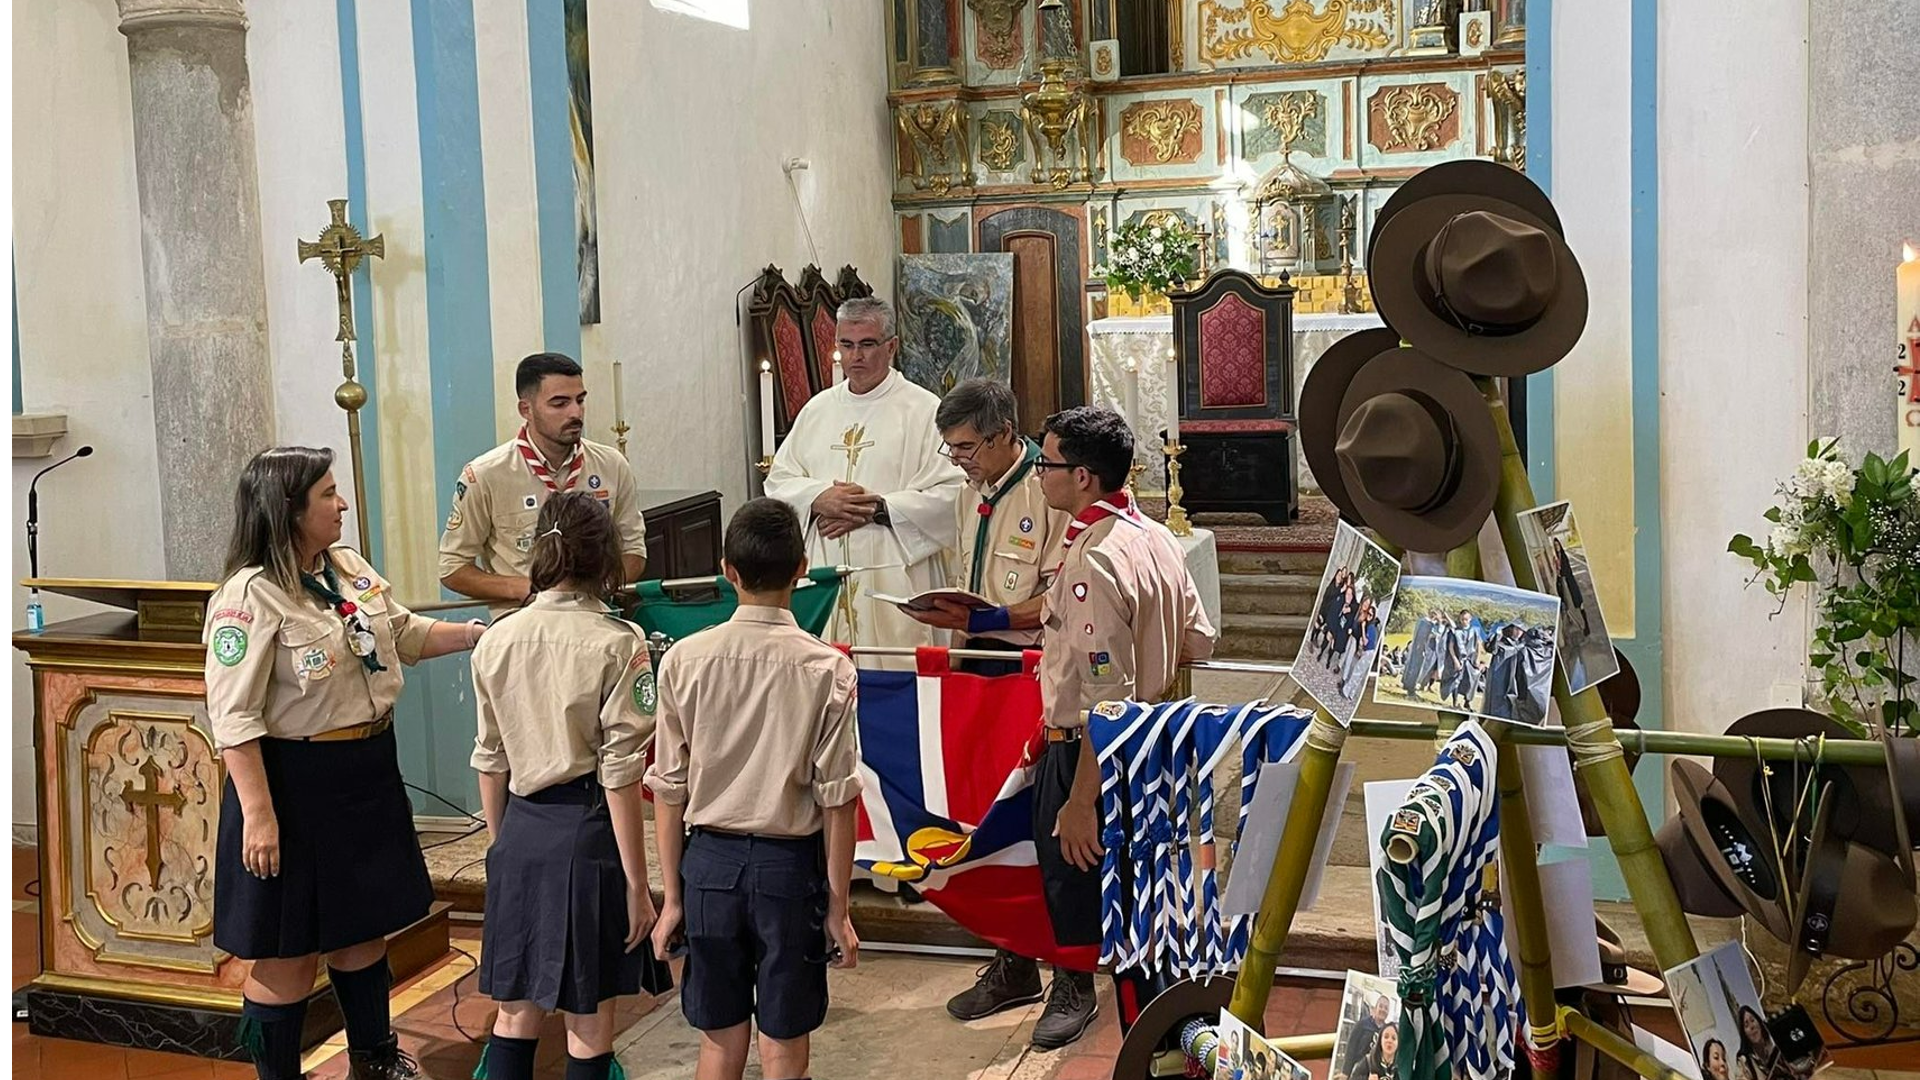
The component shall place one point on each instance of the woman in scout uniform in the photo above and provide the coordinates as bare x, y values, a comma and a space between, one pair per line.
317, 853
566, 699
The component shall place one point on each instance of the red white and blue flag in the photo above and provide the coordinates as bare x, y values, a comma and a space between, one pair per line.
947, 802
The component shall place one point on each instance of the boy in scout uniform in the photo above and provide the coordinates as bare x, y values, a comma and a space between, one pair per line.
757, 757
489, 537
1121, 615
1009, 536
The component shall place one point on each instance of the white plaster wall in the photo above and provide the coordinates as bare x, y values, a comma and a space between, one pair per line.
1733, 341
692, 121
83, 323
1593, 387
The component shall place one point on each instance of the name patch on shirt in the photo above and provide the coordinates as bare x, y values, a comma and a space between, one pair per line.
1100, 663
230, 642
231, 613
646, 693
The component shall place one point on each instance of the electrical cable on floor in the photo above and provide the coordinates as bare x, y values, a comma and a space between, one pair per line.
475, 961
449, 803
468, 835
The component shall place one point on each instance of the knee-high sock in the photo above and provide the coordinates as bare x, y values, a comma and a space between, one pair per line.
272, 1034
507, 1058
593, 1068
363, 1003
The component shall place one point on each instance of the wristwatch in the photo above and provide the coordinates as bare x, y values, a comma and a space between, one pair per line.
880, 515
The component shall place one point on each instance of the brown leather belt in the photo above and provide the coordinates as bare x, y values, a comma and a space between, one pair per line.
348, 734
1064, 734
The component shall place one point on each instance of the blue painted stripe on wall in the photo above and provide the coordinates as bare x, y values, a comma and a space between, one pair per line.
553, 175
13, 279
1540, 428
347, 19
1646, 650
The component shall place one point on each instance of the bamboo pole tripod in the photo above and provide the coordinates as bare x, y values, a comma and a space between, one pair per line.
1588, 733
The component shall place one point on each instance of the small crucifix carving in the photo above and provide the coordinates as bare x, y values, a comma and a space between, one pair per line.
153, 801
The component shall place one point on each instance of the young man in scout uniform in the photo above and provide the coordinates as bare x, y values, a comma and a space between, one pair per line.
757, 755
485, 549
1009, 550
1121, 615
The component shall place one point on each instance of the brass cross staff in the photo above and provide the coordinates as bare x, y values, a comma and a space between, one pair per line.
152, 800
340, 249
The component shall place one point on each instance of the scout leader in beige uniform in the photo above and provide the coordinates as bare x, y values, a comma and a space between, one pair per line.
317, 853
489, 537
1009, 536
1121, 615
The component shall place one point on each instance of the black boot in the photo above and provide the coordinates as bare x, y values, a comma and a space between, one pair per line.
1009, 981
385, 1061
1070, 1010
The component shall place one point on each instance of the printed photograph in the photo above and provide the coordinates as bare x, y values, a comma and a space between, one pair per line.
1349, 620
1719, 1009
1560, 567
1246, 1056
1467, 646
1366, 1045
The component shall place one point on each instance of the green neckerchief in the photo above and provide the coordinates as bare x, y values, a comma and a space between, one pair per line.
349, 612
1019, 473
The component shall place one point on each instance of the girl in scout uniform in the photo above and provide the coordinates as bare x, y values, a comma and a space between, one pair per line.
316, 854
566, 700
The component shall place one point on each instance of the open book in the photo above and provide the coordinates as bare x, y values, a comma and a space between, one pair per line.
925, 601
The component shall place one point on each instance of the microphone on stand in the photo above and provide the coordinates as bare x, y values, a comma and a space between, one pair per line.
36, 615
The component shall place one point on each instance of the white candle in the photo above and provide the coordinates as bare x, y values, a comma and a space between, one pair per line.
619, 414
1130, 395
1906, 307
1173, 396
837, 376
766, 408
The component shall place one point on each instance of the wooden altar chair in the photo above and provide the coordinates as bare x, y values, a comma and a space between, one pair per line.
1233, 351
778, 322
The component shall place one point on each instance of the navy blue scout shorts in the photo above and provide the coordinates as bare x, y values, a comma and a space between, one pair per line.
749, 897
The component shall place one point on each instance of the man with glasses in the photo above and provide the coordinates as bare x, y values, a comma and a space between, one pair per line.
863, 470
1121, 614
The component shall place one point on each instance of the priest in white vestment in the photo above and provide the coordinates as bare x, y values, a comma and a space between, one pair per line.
862, 467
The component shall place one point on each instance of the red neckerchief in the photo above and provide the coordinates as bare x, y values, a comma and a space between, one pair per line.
1115, 505
537, 465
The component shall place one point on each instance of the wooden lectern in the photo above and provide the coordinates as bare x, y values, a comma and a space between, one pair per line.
127, 787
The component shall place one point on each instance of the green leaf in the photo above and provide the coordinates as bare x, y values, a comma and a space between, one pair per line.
1772, 514
1820, 659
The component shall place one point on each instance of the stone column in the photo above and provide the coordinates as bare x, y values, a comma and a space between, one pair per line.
1863, 135
200, 242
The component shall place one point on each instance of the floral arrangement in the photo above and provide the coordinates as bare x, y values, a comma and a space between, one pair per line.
1855, 535
1149, 258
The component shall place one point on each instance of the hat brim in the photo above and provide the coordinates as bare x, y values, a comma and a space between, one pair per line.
1620, 696
1699, 891
1638, 984
1169, 1010
1870, 910
1863, 810
1468, 176
1693, 787
1326, 385
1394, 270
1458, 519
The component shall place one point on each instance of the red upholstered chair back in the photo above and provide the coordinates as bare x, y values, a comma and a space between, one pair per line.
778, 336
1233, 347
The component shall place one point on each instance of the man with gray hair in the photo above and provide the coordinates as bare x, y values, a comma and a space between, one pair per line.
862, 468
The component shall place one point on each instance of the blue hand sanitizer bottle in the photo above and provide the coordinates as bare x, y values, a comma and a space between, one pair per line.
36, 615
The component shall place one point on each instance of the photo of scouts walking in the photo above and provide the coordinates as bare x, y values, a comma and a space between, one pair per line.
1349, 618
1560, 567
1466, 646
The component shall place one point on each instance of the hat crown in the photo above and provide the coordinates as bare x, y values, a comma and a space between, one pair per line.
1493, 269
1398, 451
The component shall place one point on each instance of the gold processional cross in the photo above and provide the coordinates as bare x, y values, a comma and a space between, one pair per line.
153, 801
852, 441
341, 249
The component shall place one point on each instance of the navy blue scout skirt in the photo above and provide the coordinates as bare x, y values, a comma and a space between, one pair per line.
350, 864
556, 918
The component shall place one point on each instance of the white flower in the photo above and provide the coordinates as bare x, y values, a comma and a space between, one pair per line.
1807, 479
1836, 481
1913, 482
1156, 232
1785, 541
1159, 248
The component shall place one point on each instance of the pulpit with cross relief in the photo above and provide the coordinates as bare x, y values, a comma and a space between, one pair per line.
128, 789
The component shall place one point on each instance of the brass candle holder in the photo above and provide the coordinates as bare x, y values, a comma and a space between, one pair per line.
1177, 522
765, 465
1133, 480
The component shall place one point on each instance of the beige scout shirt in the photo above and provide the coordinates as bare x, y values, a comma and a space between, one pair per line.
565, 687
1022, 546
756, 726
279, 665
497, 501
1121, 615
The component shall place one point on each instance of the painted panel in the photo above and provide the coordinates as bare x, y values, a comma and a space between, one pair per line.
955, 318
1065, 306
1417, 120
949, 233
1157, 136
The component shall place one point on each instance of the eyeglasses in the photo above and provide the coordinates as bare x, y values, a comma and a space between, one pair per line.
865, 345
1043, 464
966, 451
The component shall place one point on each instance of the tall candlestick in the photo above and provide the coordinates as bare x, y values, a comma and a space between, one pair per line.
1906, 308
1173, 397
837, 376
766, 407
620, 428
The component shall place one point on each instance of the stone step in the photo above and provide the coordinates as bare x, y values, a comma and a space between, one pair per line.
1268, 594
1312, 562
1261, 637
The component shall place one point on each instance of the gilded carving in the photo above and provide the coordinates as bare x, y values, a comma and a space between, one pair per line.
1295, 119
936, 133
1295, 34
999, 141
998, 38
1413, 118
151, 802
1508, 92
1166, 131
1055, 114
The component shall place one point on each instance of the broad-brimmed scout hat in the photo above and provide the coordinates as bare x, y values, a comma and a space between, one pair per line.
1620, 696
1854, 901
1320, 398
1616, 975
1721, 861
1863, 801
